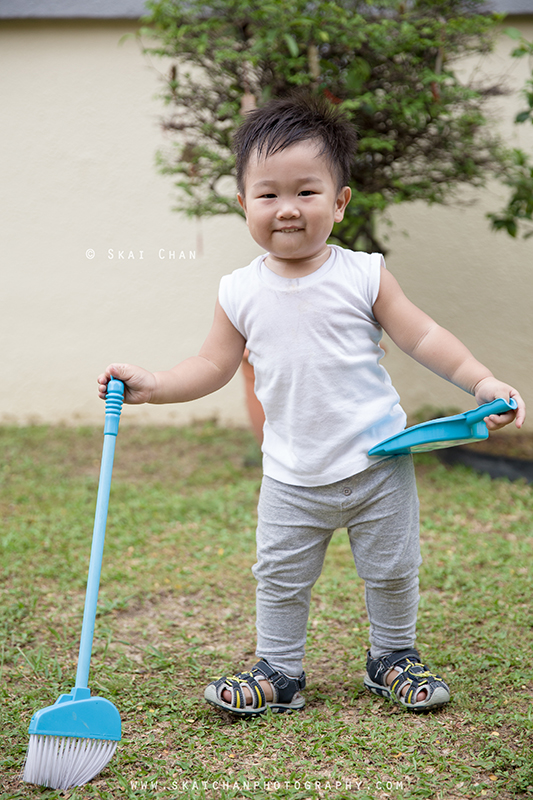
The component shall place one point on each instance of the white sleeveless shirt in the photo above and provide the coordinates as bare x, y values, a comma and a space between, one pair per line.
314, 346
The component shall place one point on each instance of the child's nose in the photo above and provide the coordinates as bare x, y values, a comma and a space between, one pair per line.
288, 209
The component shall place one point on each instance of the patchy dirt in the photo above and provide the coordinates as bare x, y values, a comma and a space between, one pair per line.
171, 623
192, 456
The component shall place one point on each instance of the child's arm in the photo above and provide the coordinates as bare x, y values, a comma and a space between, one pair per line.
440, 351
216, 363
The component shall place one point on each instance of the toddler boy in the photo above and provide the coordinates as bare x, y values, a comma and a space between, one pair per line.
311, 315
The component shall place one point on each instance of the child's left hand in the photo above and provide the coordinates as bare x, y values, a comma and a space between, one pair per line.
490, 389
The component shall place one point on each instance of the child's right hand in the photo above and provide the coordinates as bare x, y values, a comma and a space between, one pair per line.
139, 384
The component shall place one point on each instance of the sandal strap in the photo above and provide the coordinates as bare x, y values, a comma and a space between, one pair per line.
378, 668
284, 687
411, 672
417, 676
235, 683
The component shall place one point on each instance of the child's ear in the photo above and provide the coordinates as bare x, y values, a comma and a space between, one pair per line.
342, 201
242, 201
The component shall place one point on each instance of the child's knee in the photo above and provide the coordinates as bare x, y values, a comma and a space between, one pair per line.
394, 584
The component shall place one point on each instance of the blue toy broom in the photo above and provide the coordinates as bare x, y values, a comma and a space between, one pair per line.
73, 740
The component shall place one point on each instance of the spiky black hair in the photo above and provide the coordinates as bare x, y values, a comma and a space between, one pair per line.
281, 123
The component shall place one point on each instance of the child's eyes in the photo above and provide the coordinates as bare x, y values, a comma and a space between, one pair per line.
271, 195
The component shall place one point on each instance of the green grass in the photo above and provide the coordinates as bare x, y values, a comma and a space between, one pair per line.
176, 608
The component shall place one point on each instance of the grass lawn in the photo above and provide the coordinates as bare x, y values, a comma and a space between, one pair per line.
176, 609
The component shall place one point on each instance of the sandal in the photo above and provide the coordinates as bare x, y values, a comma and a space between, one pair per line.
286, 691
412, 673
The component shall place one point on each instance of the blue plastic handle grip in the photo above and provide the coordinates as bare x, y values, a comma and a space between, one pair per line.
499, 406
113, 406
114, 400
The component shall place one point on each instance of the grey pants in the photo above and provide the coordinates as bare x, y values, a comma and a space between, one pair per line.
379, 507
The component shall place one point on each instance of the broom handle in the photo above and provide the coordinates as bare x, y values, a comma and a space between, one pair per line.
113, 407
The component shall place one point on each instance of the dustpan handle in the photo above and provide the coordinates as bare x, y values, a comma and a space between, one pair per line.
499, 406
113, 408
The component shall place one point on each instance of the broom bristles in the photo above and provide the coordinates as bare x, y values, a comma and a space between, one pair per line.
60, 762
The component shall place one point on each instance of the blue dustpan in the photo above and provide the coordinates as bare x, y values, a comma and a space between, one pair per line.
72, 740
462, 428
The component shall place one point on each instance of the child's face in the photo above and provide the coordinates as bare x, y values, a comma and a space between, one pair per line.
291, 203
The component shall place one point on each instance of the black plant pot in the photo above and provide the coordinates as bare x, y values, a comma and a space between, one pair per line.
496, 466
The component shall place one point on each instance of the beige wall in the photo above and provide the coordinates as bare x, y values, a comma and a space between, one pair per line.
79, 133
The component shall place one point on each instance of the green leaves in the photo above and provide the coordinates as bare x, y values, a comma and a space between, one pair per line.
292, 44
513, 33
389, 63
517, 216
359, 72
523, 116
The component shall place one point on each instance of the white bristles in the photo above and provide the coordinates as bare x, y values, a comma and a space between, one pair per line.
62, 762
